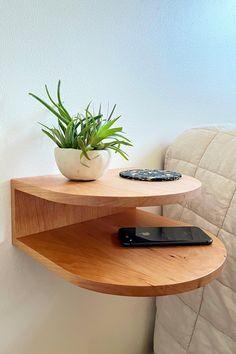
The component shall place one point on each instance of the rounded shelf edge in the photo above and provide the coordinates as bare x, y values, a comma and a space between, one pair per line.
149, 290
111, 190
88, 255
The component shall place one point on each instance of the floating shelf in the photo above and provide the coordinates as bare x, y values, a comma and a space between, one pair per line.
110, 190
62, 225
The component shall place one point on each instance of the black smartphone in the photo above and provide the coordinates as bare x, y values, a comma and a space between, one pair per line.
163, 236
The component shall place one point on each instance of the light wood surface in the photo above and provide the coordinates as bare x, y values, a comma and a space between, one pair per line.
88, 254
31, 214
110, 190
71, 228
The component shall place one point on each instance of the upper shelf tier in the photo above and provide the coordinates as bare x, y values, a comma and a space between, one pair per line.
109, 190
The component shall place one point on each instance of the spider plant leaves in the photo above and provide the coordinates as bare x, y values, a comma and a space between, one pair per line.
83, 148
46, 105
62, 113
61, 109
104, 134
105, 131
118, 150
100, 109
121, 136
52, 137
112, 111
70, 135
61, 126
55, 135
109, 123
114, 143
86, 131
60, 104
49, 96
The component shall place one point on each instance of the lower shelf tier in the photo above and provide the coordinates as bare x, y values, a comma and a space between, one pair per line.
89, 255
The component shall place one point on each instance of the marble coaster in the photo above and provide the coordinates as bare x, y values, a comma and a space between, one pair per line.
151, 175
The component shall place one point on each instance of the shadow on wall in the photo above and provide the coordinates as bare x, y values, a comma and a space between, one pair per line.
154, 158
5, 212
62, 318
41, 313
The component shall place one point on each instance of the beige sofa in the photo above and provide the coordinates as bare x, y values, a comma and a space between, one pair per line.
204, 321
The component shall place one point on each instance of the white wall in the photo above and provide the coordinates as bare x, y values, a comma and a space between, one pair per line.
168, 65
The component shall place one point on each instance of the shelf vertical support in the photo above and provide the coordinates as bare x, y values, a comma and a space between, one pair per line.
31, 214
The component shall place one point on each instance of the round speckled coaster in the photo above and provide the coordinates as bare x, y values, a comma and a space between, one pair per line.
151, 175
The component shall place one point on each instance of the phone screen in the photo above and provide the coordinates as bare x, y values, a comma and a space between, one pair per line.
168, 233
165, 235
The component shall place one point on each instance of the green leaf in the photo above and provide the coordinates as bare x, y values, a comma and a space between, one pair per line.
63, 128
60, 101
69, 134
46, 105
83, 148
112, 111
117, 150
86, 131
60, 137
49, 96
51, 137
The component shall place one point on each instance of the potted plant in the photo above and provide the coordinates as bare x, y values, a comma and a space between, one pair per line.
84, 141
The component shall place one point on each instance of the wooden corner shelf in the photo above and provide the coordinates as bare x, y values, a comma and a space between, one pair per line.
110, 190
71, 228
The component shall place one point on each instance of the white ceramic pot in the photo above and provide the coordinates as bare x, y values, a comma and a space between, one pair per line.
81, 169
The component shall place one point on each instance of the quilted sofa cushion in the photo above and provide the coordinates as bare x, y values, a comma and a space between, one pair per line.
204, 321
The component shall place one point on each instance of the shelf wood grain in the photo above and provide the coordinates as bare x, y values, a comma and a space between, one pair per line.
71, 228
88, 254
109, 191
31, 214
